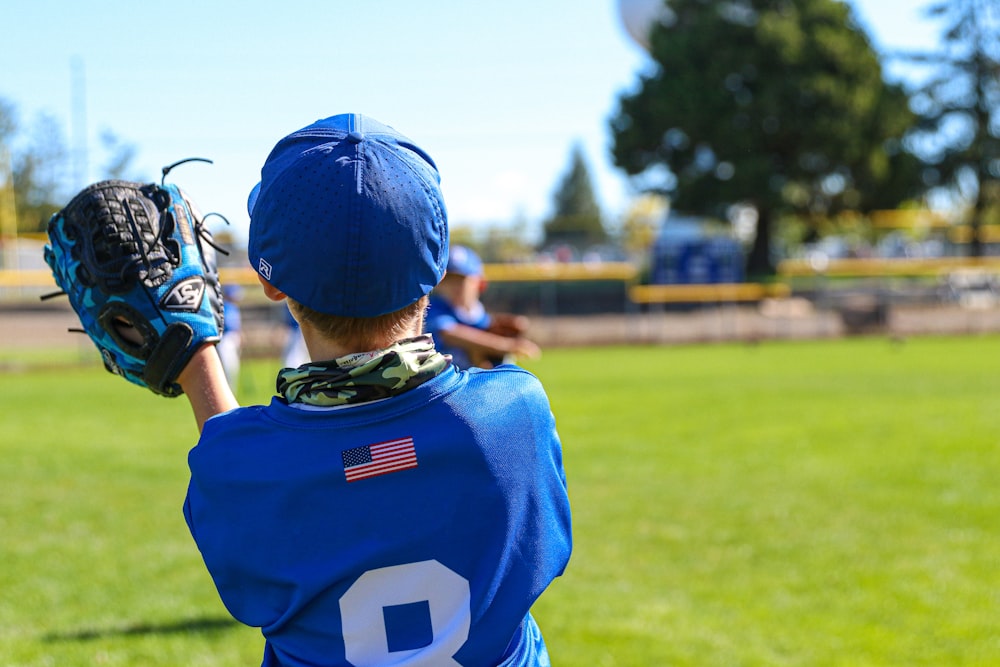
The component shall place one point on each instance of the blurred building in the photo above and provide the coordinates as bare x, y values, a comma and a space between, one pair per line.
690, 251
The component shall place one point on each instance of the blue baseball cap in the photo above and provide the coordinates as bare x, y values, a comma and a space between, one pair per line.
464, 262
348, 218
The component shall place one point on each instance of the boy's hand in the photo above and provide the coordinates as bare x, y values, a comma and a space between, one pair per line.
522, 347
508, 324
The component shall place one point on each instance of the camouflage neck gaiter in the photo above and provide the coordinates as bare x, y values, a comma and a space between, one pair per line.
364, 376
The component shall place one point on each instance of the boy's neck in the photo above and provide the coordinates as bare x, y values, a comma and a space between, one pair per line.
322, 348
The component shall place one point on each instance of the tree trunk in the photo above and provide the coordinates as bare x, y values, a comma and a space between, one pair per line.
975, 228
759, 265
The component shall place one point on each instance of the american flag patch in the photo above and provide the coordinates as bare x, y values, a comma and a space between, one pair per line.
379, 459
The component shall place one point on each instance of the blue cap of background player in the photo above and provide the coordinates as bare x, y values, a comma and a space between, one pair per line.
464, 262
348, 218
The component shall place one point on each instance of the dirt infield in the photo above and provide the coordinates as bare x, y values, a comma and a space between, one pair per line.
37, 327
44, 326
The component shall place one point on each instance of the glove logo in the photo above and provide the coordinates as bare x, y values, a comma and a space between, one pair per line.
185, 296
110, 363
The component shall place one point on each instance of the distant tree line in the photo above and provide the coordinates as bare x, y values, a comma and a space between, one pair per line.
36, 165
782, 106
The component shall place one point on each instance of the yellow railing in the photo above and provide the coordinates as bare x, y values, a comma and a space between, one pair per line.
627, 273
27, 278
560, 271
874, 268
43, 278
494, 272
711, 293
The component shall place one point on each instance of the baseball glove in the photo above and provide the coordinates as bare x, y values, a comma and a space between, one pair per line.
139, 268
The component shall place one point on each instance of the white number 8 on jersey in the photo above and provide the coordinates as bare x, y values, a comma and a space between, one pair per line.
366, 641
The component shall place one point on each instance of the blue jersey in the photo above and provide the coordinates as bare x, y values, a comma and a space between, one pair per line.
232, 318
416, 530
442, 315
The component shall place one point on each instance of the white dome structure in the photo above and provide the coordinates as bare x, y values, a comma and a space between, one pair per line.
639, 16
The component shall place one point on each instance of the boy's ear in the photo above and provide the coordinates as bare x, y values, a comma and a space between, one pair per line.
270, 291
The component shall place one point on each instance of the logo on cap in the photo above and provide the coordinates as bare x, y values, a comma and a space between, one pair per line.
185, 295
264, 269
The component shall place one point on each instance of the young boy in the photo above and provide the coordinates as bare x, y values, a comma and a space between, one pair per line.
460, 324
386, 507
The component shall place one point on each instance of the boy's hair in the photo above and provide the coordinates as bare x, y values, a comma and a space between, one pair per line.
390, 326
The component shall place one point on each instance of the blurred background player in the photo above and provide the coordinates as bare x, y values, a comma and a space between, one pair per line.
460, 324
231, 342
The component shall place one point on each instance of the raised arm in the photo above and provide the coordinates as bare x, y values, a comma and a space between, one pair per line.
486, 342
204, 383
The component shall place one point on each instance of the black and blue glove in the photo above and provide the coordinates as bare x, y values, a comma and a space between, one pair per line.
140, 271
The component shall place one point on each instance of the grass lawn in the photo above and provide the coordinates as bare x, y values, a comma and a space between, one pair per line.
794, 503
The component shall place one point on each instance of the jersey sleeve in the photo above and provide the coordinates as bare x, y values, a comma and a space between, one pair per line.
439, 317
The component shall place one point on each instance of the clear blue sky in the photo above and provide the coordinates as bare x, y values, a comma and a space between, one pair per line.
496, 92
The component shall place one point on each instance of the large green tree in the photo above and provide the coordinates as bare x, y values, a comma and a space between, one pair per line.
779, 105
38, 161
959, 106
40, 174
576, 219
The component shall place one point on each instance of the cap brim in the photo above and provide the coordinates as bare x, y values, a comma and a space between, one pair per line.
252, 199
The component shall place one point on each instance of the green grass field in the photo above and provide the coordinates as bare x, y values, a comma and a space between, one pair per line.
811, 503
